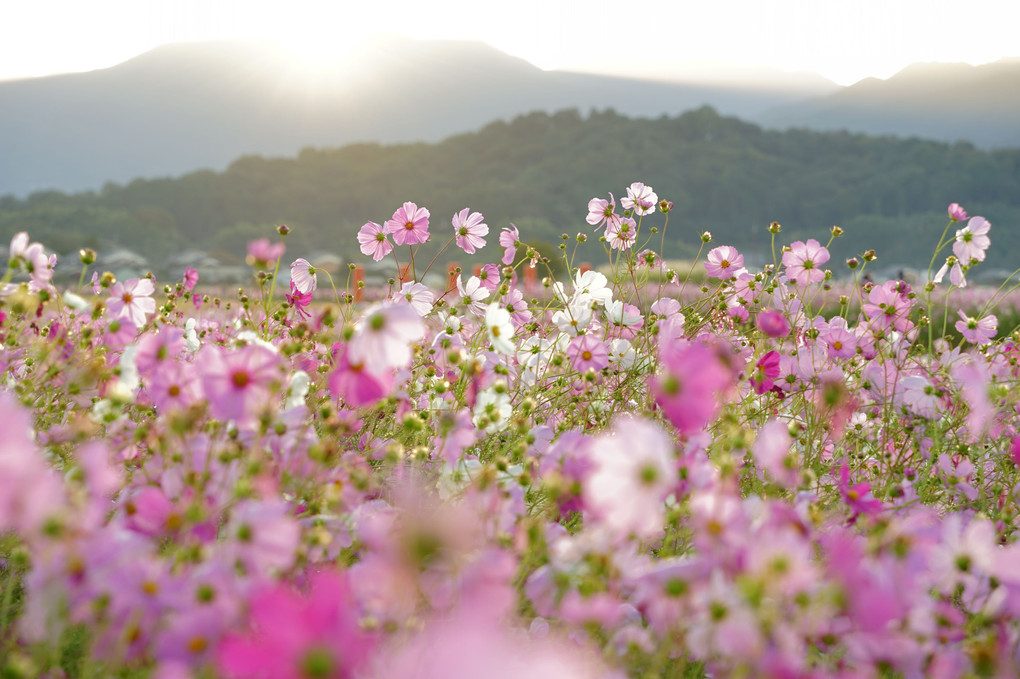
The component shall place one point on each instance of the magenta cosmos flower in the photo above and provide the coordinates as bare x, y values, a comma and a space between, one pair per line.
802, 262
409, 225
132, 300
469, 230
297, 636
723, 262
773, 323
374, 242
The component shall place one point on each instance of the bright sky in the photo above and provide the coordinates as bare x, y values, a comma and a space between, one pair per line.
844, 40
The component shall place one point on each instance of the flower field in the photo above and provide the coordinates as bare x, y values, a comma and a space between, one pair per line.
638, 473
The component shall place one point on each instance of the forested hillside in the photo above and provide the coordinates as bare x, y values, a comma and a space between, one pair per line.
539, 171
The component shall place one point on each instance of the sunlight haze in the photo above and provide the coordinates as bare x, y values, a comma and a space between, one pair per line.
844, 42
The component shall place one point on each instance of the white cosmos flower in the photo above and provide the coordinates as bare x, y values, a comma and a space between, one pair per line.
493, 410
499, 328
573, 319
622, 354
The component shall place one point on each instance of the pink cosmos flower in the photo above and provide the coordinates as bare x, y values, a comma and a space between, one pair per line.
766, 371
513, 301
374, 242
601, 212
409, 225
689, 388
132, 300
263, 253
857, 496
723, 262
509, 239
190, 279
621, 234
802, 262
773, 323
977, 331
237, 381
957, 213
587, 352
972, 240
302, 276
839, 341
296, 636
640, 198
469, 230
887, 307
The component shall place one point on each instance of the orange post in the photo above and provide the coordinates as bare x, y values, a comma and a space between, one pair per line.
359, 278
530, 277
451, 275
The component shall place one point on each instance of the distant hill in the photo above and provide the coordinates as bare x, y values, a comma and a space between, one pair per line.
948, 102
188, 106
539, 171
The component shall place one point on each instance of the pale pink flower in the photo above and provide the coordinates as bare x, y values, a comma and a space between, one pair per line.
977, 331
972, 241
803, 262
132, 300
472, 293
957, 213
723, 262
302, 274
640, 198
409, 225
419, 296
509, 239
621, 234
32, 257
634, 472
374, 242
263, 254
919, 395
955, 271
469, 230
771, 452
385, 336
601, 212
